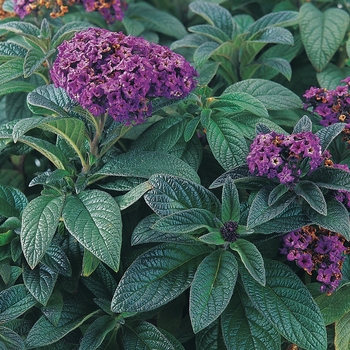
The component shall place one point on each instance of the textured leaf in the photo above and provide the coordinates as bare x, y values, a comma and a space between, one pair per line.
336, 219
230, 202
40, 220
342, 333
332, 178
313, 196
214, 14
133, 195
34, 60
328, 134
304, 124
48, 99
187, 221
321, 35
288, 305
274, 35
210, 31
273, 95
226, 142
11, 339
40, 282
204, 52
20, 27
9, 50
212, 288
157, 277
191, 40
277, 193
260, 212
12, 201
142, 335
331, 75
53, 309
94, 219
44, 332
171, 194
210, 337
11, 70
97, 331
56, 259
14, 302
145, 163
16, 86
245, 328
251, 259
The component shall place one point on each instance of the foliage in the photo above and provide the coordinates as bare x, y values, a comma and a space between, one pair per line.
163, 235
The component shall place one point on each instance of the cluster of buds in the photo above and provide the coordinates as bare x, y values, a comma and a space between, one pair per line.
317, 249
229, 231
333, 106
109, 72
280, 156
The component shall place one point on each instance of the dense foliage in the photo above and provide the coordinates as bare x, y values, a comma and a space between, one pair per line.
174, 175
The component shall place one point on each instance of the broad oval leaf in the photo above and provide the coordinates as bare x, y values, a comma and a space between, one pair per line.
329, 133
204, 52
171, 194
288, 305
331, 178
304, 124
320, 33
157, 277
11, 339
11, 70
212, 288
12, 201
39, 223
342, 332
94, 219
230, 202
10, 50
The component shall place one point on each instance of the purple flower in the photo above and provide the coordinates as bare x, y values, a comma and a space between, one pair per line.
229, 231
110, 72
305, 262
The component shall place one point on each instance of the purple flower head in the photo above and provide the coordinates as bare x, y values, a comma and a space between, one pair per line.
229, 231
110, 72
110, 10
279, 156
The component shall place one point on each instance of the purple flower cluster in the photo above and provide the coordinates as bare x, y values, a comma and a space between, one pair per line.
279, 156
23, 8
317, 249
110, 10
229, 231
332, 105
110, 72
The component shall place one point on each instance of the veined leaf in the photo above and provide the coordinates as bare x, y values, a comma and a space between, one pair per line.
171, 194
126, 200
214, 14
56, 259
304, 124
274, 35
273, 95
39, 224
288, 305
11, 339
331, 75
94, 219
251, 259
157, 277
21, 28
210, 337
16, 86
245, 328
212, 288
191, 40
14, 302
226, 142
204, 52
12, 201
331, 178
321, 35
34, 60
329, 133
342, 332
9, 50
230, 202
11, 70
211, 32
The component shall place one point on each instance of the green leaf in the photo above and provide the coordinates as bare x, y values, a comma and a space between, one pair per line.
94, 219
20, 28
44, 332
243, 100
230, 202
334, 306
142, 335
53, 309
273, 35
211, 32
226, 142
273, 95
207, 72
34, 60
336, 219
96, 332
331, 75
244, 327
133, 195
157, 277
14, 302
191, 40
146, 163
9, 50
251, 258
171, 194
187, 221
90, 263
39, 223
329, 133
57, 260
11, 70
40, 282
11, 339
191, 128
214, 14
304, 124
277, 193
213, 238
321, 35
313, 195
204, 52
12, 201
342, 333
331, 178
50, 100
261, 212
16, 86
212, 288
288, 305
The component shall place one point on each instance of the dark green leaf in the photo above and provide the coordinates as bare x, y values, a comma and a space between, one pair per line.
9, 50
204, 52
157, 277
331, 75
313, 195
16, 86
90, 263
342, 332
230, 202
34, 60
11, 70
12, 201
212, 288
39, 224
210, 338
276, 193
11, 339
327, 134
94, 219
288, 305
332, 178
171, 194
133, 195
67, 31
211, 32
321, 35
251, 258
304, 124
56, 259
274, 35
192, 40
53, 309
19, 27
